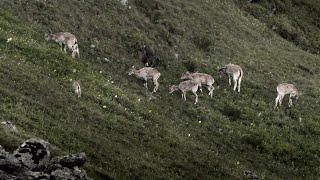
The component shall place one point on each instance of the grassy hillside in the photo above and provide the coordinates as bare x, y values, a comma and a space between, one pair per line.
295, 20
128, 132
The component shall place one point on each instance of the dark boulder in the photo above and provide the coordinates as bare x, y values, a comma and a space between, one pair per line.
32, 161
33, 154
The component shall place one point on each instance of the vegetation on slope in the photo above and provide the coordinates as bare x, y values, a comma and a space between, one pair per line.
295, 20
128, 132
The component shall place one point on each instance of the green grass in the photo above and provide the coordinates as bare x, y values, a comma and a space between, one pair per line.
127, 138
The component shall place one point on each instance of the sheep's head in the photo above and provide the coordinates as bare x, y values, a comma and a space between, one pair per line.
297, 95
222, 72
48, 36
131, 70
173, 88
186, 75
76, 83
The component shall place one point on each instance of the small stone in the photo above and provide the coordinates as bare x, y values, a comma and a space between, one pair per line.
189, 135
104, 107
9, 126
199, 122
124, 2
106, 60
92, 46
250, 174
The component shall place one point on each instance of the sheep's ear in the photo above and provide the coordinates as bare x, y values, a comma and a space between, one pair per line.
132, 66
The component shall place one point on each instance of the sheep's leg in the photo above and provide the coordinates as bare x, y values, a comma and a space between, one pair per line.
200, 87
155, 81
75, 50
290, 101
146, 83
79, 92
73, 54
280, 100
229, 80
184, 96
61, 45
210, 88
239, 83
235, 84
277, 101
196, 100
65, 47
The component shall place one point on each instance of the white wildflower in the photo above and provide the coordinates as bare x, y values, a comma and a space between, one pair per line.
9, 39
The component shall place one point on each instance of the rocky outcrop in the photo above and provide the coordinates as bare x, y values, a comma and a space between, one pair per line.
32, 160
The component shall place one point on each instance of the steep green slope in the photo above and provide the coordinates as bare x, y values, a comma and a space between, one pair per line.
127, 131
295, 20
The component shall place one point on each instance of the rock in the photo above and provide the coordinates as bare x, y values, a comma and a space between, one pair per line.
32, 161
8, 162
124, 2
106, 60
6, 176
9, 126
36, 175
33, 154
250, 175
71, 161
65, 173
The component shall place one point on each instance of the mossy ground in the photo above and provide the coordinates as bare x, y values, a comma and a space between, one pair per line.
128, 132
